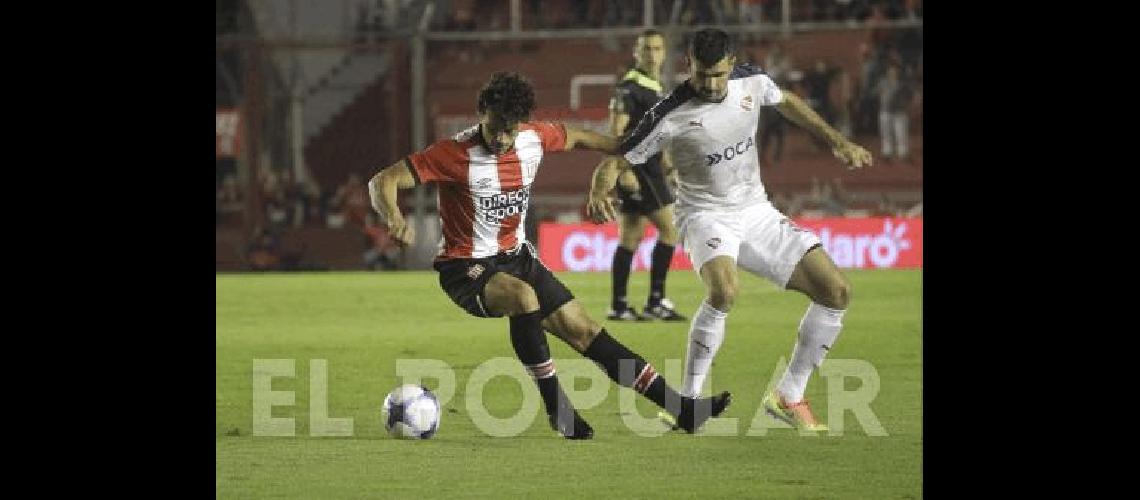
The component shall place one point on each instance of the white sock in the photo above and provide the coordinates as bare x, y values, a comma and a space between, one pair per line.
705, 336
818, 331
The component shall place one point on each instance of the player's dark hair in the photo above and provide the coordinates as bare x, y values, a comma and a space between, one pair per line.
508, 95
710, 45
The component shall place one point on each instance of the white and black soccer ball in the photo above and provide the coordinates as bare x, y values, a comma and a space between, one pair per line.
410, 412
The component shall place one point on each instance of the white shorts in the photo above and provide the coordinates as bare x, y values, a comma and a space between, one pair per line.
759, 238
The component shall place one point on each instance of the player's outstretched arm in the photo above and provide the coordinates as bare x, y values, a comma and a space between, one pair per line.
382, 190
598, 205
577, 138
796, 110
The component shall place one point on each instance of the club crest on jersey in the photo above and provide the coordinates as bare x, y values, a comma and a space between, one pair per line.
746, 103
475, 271
713, 243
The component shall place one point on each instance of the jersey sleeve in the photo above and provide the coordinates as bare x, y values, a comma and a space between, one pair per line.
766, 90
440, 162
552, 135
758, 83
648, 139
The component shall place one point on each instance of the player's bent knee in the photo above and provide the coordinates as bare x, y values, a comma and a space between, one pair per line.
579, 333
629, 243
571, 324
838, 295
723, 297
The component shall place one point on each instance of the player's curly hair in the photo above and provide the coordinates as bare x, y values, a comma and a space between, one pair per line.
710, 45
508, 95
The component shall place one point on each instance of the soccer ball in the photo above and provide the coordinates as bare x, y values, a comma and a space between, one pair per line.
410, 412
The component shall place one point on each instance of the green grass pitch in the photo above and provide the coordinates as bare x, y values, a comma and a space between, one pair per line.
360, 324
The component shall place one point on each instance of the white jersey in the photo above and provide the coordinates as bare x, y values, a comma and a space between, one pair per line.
713, 144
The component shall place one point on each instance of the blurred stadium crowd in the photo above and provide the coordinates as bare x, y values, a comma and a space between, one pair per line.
878, 102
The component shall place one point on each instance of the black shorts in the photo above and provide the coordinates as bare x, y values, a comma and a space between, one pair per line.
654, 192
464, 281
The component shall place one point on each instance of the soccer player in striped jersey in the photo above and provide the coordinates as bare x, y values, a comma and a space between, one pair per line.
486, 266
708, 124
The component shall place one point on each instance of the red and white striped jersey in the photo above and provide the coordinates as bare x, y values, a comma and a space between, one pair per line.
483, 197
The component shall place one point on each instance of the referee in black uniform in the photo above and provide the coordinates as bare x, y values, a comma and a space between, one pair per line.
644, 193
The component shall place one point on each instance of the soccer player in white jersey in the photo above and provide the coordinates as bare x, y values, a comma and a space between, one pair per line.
708, 125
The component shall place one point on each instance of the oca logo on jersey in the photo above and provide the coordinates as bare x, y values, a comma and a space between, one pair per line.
730, 152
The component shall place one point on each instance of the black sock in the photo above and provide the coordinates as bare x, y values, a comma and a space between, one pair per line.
623, 261
531, 348
662, 256
630, 370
